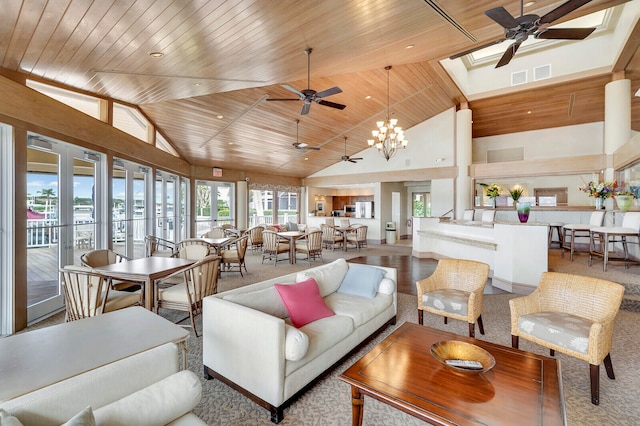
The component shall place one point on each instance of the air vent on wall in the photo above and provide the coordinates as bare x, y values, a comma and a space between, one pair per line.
540, 73
502, 155
518, 77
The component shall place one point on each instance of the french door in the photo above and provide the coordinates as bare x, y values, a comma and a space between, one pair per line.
63, 216
130, 212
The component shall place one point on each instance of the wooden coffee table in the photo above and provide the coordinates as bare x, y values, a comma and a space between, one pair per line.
522, 388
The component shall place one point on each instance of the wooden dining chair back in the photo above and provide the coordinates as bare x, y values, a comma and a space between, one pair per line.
87, 294
103, 257
331, 238
154, 246
233, 258
572, 314
272, 247
192, 249
345, 223
217, 232
197, 281
310, 245
358, 237
255, 237
454, 290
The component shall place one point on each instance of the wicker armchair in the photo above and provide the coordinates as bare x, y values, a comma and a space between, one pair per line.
358, 237
155, 246
311, 245
192, 249
454, 290
272, 247
330, 237
571, 314
255, 237
103, 257
235, 256
217, 232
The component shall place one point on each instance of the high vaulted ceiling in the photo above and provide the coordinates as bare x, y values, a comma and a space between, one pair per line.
225, 58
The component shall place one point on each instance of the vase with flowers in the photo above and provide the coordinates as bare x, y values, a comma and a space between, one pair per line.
624, 200
516, 193
493, 192
600, 191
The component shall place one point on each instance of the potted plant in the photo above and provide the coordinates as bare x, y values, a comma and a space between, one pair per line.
493, 192
624, 200
600, 191
516, 193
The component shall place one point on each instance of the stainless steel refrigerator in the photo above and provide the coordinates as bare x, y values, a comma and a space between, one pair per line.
364, 209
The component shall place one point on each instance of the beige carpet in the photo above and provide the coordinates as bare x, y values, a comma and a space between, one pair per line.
328, 403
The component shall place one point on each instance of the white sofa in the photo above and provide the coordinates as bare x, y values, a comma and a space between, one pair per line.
250, 343
144, 389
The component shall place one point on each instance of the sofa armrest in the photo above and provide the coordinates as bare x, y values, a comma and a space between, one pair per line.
246, 346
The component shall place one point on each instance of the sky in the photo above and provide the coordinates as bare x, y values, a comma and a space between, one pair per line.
82, 185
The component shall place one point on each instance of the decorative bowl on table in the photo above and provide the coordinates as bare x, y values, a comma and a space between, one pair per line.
462, 356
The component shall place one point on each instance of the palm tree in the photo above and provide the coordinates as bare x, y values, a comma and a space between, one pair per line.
49, 194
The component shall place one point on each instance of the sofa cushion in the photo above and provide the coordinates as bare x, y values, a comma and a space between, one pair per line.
157, 404
267, 300
83, 418
329, 276
361, 280
565, 330
296, 343
7, 419
359, 309
323, 334
303, 302
447, 300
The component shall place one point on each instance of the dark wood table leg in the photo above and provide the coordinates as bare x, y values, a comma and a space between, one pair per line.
357, 406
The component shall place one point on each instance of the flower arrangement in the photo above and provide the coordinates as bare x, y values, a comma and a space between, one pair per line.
602, 190
493, 190
516, 192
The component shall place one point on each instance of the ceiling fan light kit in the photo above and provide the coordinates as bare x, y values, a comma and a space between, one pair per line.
302, 145
519, 29
388, 137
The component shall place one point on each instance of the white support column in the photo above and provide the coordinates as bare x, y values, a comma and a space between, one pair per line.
464, 191
617, 122
242, 201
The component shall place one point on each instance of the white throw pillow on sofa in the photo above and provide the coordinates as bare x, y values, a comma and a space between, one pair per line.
329, 276
296, 343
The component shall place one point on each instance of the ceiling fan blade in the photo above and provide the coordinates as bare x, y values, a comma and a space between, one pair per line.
331, 104
474, 49
351, 160
502, 17
328, 92
562, 10
293, 89
284, 99
313, 148
508, 55
565, 33
305, 108
357, 158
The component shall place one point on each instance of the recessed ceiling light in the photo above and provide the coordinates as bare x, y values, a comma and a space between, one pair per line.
197, 84
529, 3
156, 54
306, 158
528, 112
230, 143
219, 116
368, 97
410, 46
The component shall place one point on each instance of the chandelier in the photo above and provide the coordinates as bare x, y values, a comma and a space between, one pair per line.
389, 136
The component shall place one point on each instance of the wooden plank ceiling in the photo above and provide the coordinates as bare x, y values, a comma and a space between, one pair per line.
206, 94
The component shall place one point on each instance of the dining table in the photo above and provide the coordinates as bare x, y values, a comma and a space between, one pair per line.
145, 270
291, 236
344, 230
217, 243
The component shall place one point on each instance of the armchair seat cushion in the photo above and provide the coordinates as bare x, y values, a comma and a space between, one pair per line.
447, 300
561, 329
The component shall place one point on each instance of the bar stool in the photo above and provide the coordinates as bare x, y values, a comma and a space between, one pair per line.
614, 234
574, 230
557, 226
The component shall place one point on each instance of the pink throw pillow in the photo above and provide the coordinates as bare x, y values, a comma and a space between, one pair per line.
303, 302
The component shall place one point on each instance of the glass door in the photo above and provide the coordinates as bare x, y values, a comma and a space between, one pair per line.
129, 208
62, 211
215, 205
166, 206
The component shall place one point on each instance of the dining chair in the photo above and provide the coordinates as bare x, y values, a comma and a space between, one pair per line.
572, 314
197, 281
330, 237
454, 290
272, 247
103, 257
235, 256
255, 237
87, 294
358, 237
217, 232
311, 245
192, 249
154, 246
345, 223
